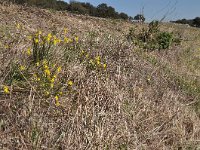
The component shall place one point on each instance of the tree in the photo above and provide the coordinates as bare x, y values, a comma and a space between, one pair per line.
124, 16
102, 10
77, 7
73, 6
61, 5
91, 9
196, 22
139, 17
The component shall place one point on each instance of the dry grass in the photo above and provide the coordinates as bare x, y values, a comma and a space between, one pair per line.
138, 102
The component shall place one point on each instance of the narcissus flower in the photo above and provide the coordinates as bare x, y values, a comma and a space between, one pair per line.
6, 89
104, 66
28, 52
36, 41
70, 83
22, 68
59, 69
18, 26
76, 39
47, 72
57, 101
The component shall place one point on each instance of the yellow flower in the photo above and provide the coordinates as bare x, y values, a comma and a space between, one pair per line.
52, 80
98, 62
49, 36
91, 62
47, 72
51, 85
18, 26
35, 75
98, 58
47, 93
65, 30
36, 41
56, 101
82, 52
28, 51
38, 79
104, 66
39, 32
22, 68
70, 83
59, 69
149, 78
53, 65
44, 62
54, 76
37, 64
66, 40
55, 41
6, 90
56, 97
60, 93
76, 39
46, 67
6, 46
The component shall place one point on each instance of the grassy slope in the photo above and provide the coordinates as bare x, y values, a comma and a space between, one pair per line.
144, 100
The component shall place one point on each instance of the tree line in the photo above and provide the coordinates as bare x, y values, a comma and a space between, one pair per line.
102, 10
192, 22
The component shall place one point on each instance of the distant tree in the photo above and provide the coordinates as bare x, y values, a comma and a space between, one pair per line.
139, 17
124, 16
61, 5
111, 13
77, 7
102, 10
91, 9
196, 22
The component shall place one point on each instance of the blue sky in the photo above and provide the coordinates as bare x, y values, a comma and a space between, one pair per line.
154, 9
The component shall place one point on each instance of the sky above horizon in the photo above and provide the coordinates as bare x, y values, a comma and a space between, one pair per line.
154, 9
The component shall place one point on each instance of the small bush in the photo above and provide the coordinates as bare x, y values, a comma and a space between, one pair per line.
152, 38
164, 39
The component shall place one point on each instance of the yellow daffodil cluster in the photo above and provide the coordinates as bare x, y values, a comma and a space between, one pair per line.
53, 39
67, 40
56, 40
45, 78
57, 103
94, 62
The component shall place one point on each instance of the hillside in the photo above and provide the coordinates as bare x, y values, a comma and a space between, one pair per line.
76, 82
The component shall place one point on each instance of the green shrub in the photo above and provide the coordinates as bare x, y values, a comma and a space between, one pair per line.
151, 38
164, 39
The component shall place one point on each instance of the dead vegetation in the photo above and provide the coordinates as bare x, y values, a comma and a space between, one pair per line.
139, 100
